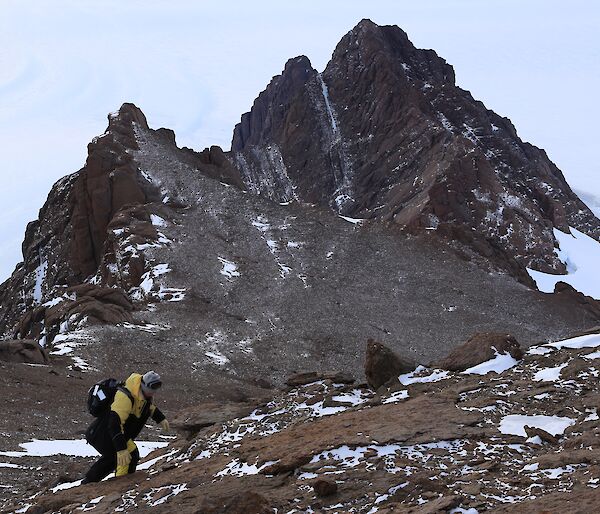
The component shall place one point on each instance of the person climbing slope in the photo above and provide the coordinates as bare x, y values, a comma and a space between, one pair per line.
113, 433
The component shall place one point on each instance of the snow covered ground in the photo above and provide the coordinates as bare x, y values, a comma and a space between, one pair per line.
581, 255
72, 447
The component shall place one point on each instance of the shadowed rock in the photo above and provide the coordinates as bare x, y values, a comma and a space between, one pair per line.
325, 488
23, 351
588, 303
191, 420
542, 434
383, 365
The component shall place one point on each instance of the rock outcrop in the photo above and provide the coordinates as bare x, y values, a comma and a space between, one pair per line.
24, 351
96, 223
567, 291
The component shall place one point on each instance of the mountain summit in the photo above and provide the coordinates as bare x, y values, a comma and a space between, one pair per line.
385, 133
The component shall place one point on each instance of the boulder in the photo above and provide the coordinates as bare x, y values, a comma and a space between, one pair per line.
481, 347
382, 364
325, 488
23, 350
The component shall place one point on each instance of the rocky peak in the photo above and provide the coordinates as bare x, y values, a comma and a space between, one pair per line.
376, 45
267, 117
109, 182
90, 228
384, 133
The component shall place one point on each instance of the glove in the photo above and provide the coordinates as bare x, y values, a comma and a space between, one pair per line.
164, 425
123, 458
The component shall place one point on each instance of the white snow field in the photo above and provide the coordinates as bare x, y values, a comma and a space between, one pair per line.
581, 255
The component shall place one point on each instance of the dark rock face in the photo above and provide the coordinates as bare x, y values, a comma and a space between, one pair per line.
385, 133
109, 182
481, 347
567, 291
383, 365
24, 351
97, 304
284, 135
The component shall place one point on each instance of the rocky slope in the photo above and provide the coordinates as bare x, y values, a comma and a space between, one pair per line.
245, 286
504, 434
384, 132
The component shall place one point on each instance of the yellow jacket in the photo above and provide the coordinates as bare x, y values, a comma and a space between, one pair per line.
122, 404
129, 415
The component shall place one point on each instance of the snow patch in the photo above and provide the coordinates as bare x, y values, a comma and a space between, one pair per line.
419, 376
71, 447
238, 468
174, 490
549, 374
501, 362
587, 341
355, 221
216, 357
514, 424
229, 268
40, 277
157, 221
396, 396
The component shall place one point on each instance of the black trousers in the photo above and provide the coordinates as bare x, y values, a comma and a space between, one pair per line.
107, 462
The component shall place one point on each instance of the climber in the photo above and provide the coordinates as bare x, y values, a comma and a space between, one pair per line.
112, 433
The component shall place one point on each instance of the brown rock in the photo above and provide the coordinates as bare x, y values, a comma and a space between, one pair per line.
193, 419
480, 347
443, 504
246, 502
300, 379
542, 434
24, 351
383, 365
386, 122
287, 463
324, 488
569, 292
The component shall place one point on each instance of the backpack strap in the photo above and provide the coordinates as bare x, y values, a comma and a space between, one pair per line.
126, 391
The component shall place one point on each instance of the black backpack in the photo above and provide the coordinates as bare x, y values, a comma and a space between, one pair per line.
102, 394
